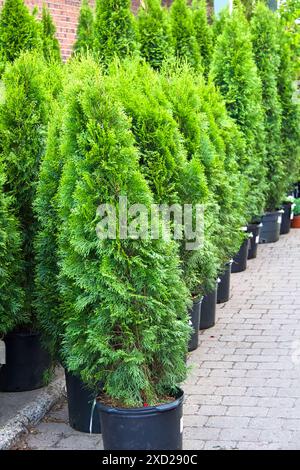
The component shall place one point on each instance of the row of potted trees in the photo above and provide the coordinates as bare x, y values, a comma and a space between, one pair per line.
119, 313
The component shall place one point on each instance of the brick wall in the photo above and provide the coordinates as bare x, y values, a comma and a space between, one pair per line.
65, 15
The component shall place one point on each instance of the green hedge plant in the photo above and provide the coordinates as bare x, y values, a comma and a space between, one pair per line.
234, 71
125, 305
213, 139
172, 178
114, 30
290, 129
23, 123
50, 43
12, 313
154, 33
203, 32
85, 29
184, 36
47, 297
19, 31
266, 53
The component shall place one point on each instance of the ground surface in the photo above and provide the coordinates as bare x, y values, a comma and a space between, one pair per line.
244, 389
11, 403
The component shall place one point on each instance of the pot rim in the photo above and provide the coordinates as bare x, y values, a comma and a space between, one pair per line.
145, 410
279, 211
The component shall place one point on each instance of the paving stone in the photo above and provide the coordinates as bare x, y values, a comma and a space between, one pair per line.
240, 434
250, 411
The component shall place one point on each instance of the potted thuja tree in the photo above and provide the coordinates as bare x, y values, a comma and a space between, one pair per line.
174, 179
48, 301
125, 304
192, 105
290, 131
266, 47
11, 292
23, 121
234, 71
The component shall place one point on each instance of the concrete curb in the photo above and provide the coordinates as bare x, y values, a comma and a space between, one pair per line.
32, 413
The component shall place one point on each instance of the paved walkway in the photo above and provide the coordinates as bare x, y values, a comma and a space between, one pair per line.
244, 388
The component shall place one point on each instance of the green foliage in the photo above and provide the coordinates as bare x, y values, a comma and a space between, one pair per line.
51, 47
11, 293
218, 23
125, 305
290, 129
19, 31
213, 139
297, 207
203, 32
47, 301
289, 14
163, 158
155, 36
114, 33
249, 6
23, 121
171, 177
266, 52
85, 29
234, 71
184, 37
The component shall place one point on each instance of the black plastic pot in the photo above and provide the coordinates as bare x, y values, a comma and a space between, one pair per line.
195, 315
286, 218
270, 230
26, 363
240, 260
255, 230
223, 292
80, 406
208, 310
296, 191
150, 428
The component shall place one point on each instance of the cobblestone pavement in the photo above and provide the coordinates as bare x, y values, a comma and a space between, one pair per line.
243, 391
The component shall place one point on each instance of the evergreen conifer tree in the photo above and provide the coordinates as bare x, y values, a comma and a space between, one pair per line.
51, 47
23, 122
213, 138
266, 53
85, 29
234, 71
47, 301
155, 36
12, 313
125, 306
184, 37
19, 31
203, 32
172, 178
290, 129
114, 33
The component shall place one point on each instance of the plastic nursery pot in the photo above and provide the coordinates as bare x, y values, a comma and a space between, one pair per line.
254, 229
149, 428
296, 221
296, 191
223, 292
240, 260
195, 315
270, 230
27, 363
83, 415
208, 310
287, 217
